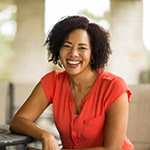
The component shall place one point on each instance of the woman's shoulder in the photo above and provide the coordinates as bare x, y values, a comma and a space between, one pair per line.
107, 75
54, 74
110, 77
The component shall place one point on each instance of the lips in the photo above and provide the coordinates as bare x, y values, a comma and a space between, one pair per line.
73, 63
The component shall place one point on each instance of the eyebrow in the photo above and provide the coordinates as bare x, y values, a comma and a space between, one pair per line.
81, 44
68, 42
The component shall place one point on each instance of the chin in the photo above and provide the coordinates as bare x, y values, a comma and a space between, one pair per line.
73, 72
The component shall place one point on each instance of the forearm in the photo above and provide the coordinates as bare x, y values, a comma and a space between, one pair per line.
23, 126
92, 148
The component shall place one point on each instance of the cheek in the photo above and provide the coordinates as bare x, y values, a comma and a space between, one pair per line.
61, 53
87, 55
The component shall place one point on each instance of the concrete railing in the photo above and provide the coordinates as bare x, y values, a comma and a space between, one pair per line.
139, 116
6, 102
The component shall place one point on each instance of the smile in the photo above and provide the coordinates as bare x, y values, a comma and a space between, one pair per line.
73, 62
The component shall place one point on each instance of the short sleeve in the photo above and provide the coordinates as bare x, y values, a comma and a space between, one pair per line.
115, 89
48, 84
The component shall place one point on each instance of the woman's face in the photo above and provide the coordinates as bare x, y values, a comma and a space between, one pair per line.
75, 54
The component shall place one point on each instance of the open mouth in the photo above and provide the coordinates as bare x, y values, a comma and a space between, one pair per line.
73, 63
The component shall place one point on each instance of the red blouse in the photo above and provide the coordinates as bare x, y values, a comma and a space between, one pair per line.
87, 129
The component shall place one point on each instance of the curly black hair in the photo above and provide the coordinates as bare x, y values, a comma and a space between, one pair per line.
100, 39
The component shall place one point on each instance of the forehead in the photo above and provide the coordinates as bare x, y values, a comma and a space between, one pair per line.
79, 34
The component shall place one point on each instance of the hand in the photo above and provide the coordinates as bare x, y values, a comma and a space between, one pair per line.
49, 143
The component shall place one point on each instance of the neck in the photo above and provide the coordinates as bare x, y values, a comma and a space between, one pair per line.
79, 82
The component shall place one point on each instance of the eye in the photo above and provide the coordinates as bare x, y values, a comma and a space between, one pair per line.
66, 46
82, 48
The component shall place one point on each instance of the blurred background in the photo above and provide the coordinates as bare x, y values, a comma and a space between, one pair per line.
24, 25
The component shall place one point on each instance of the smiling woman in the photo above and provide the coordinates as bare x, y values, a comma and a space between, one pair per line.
90, 105
95, 34
75, 53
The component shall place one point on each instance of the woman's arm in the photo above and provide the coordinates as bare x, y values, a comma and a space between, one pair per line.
23, 121
116, 124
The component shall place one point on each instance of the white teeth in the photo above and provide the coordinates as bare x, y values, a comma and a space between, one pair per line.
73, 62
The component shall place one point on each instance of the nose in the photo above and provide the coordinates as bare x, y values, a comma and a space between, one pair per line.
74, 52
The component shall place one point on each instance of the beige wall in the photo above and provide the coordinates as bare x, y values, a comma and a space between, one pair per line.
30, 55
129, 54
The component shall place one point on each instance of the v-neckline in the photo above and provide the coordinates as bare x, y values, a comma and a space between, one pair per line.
86, 97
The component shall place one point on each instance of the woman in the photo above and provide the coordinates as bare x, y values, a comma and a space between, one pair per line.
90, 105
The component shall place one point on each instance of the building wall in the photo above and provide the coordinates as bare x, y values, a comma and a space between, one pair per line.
129, 54
30, 55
